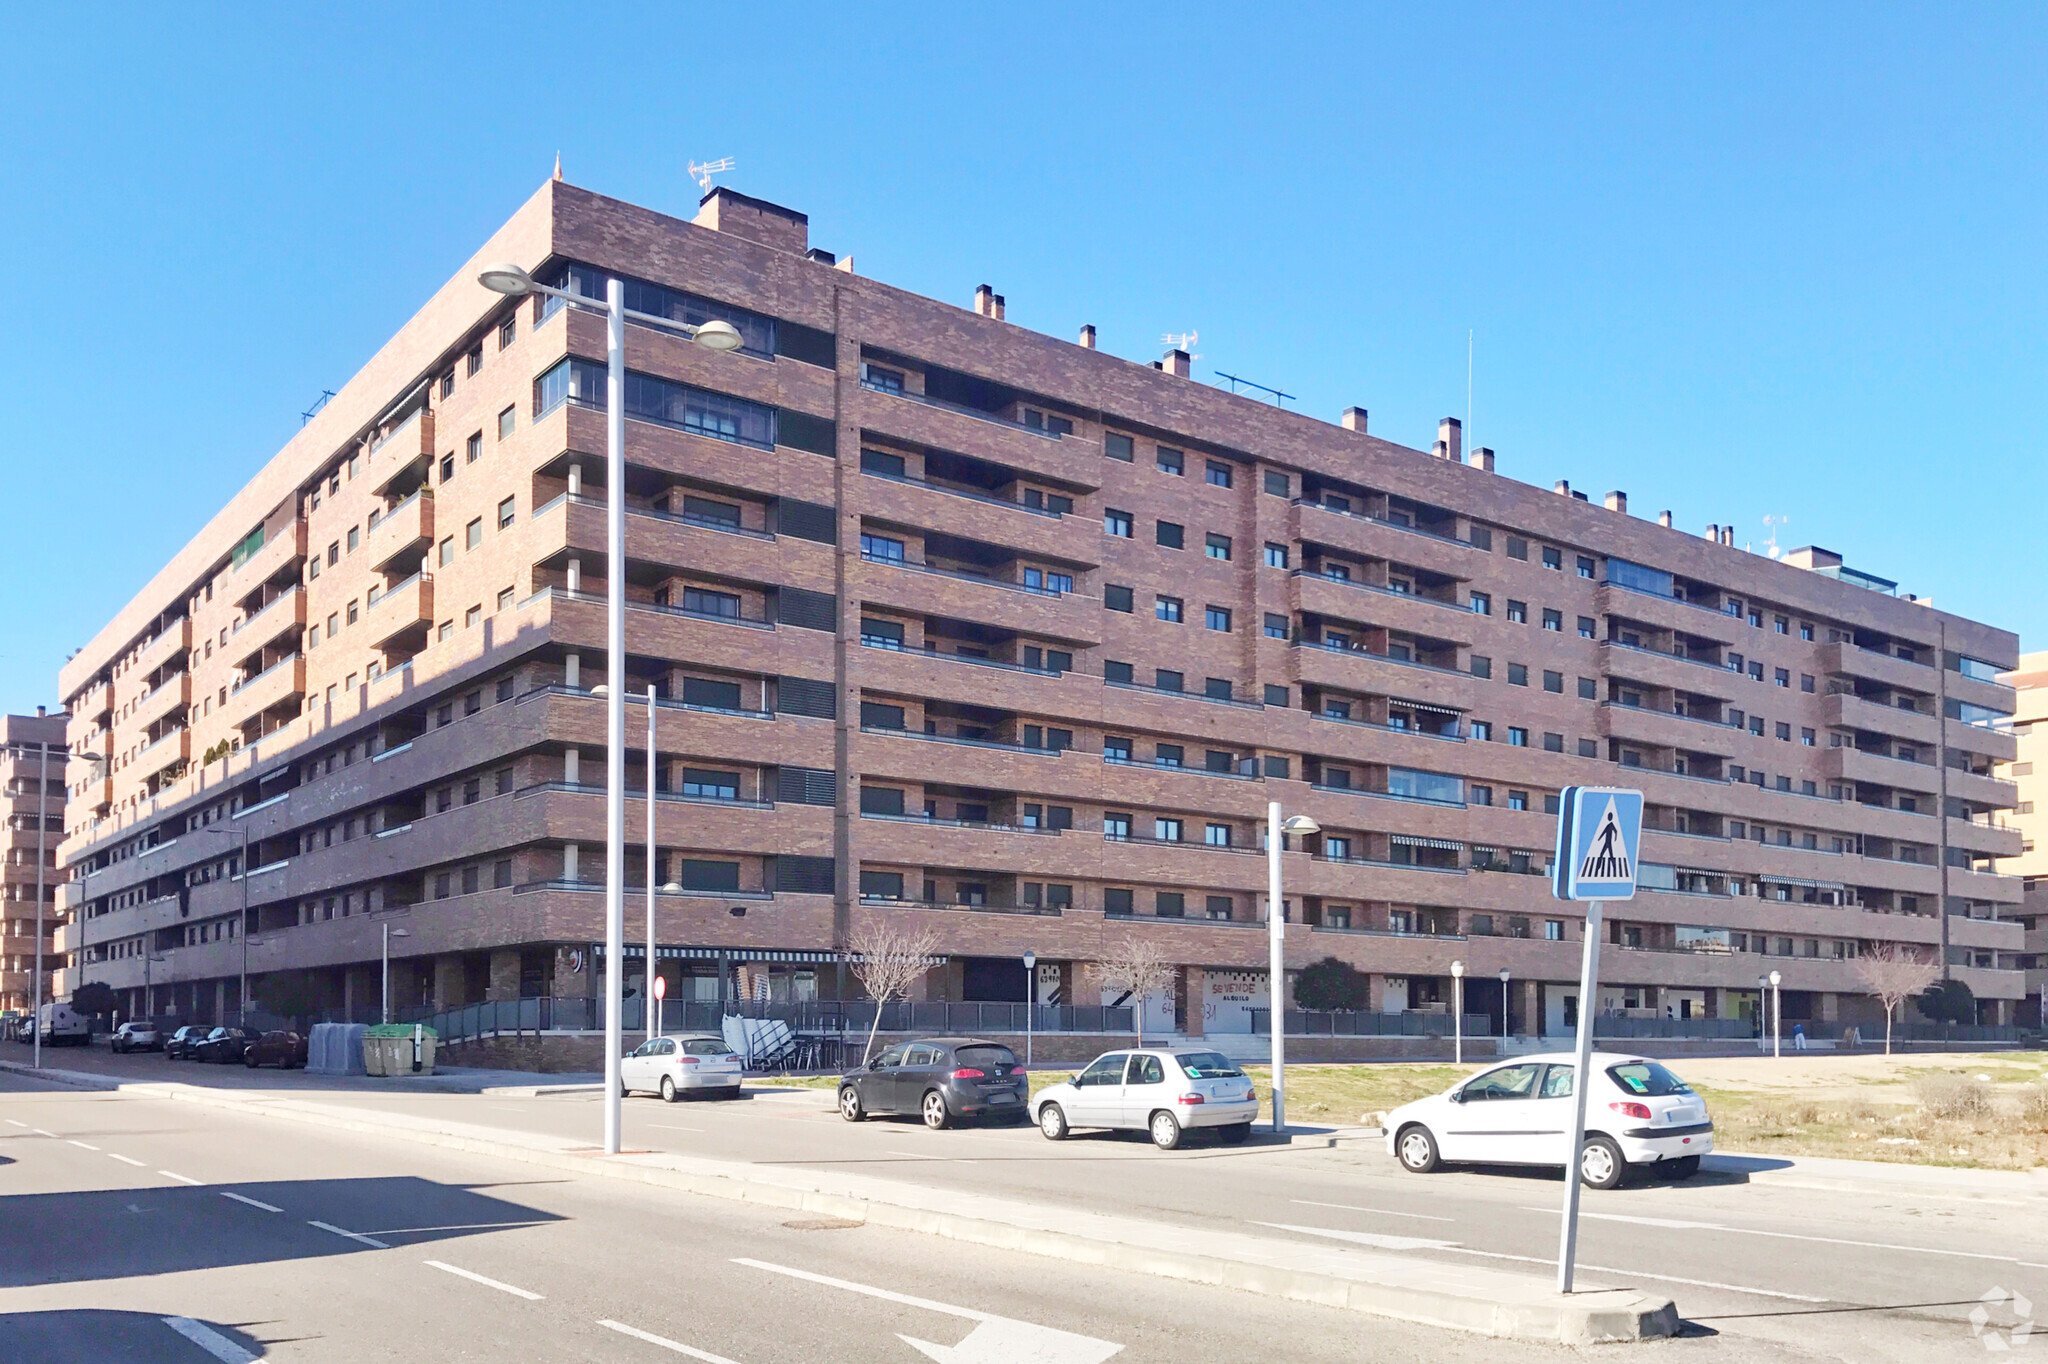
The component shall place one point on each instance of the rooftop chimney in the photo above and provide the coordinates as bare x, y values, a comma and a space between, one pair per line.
757, 220
1088, 337
821, 256
1450, 434
1664, 519
1617, 501
1563, 487
1728, 535
41, 711
1178, 363
984, 301
1482, 458
1354, 419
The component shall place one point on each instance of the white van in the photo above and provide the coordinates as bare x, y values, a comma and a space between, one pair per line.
59, 1024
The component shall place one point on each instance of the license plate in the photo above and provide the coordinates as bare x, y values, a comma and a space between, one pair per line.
1002, 1098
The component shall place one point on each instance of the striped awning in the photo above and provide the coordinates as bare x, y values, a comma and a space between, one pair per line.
1418, 841
1776, 879
635, 952
1429, 707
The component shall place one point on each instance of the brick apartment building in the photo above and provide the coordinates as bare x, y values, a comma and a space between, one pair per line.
958, 623
2027, 771
31, 753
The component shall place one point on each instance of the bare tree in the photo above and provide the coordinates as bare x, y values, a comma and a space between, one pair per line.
1136, 967
887, 959
1894, 973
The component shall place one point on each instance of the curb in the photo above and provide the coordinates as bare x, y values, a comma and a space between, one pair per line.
77, 1079
1593, 1317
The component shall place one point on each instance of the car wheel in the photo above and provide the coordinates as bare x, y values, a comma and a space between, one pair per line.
1601, 1164
1165, 1129
1681, 1167
850, 1105
935, 1113
668, 1089
249, 1061
1236, 1134
1416, 1146
624, 1093
1052, 1123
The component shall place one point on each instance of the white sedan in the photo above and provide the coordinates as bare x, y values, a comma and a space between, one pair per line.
1638, 1116
1161, 1091
671, 1066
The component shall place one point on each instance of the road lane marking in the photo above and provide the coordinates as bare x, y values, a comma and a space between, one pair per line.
675, 1128
209, 1340
254, 1203
1381, 1212
1366, 1238
1790, 1236
127, 1160
86, 1145
351, 1235
664, 1342
487, 1283
173, 1174
41, 1133
12, 1123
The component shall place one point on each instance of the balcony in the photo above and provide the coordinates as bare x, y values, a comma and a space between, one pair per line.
171, 750
1999, 745
173, 640
283, 615
1664, 729
1350, 599
1074, 538
281, 682
1655, 668
1876, 769
1981, 790
1670, 613
1069, 617
677, 541
1378, 539
170, 697
282, 549
1844, 659
95, 703
982, 435
406, 451
1355, 670
1847, 711
406, 608
406, 529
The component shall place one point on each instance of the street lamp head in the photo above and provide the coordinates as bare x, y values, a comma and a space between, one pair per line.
1030, 960
1505, 975
506, 279
1775, 978
1458, 969
1300, 824
401, 933
718, 334
672, 888
601, 689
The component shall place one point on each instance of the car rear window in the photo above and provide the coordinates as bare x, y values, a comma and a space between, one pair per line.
705, 1046
1208, 1065
1647, 1078
986, 1056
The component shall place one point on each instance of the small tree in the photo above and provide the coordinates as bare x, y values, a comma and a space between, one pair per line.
1949, 1001
1133, 967
93, 999
1894, 973
290, 995
887, 960
1331, 984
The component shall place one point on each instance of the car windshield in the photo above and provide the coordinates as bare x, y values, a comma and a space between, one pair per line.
985, 1056
1209, 1065
705, 1046
1647, 1078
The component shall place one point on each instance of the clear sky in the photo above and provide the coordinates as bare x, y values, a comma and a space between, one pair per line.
1743, 263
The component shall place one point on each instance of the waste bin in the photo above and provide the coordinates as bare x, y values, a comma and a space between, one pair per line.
399, 1049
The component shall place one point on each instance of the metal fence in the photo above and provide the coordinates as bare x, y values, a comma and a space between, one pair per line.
1707, 1029
1414, 1023
815, 1018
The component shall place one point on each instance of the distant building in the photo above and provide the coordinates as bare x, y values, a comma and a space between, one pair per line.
2029, 773
31, 753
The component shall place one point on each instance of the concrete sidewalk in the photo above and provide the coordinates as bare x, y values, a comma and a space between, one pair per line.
1382, 1282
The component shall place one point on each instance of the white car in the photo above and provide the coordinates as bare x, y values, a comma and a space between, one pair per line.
136, 1037
1160, 1090
1638, 1115
672, 1066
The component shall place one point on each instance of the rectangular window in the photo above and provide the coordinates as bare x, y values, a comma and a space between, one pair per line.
1113, 671
475, 358
1784, 731
1553, 620
507, 421
505, 599
1518, 548
1518, 674
1169, 755
471, 617
1553, 682
1218, 546
1481, 666
1167, 609
1218, 618
1518, 612
506, 510
1518, 737
1276, 555
1481, 603
705, 602
1168, 535
1118, 900
448, 551
1276, 626
1170, 904
1587, 627
1117, 445
508, 329
881, 547
1217, 475
877, 715
1166, 830
1553, 558
1585, 566
1169, 460
1482, 731
1553, 743
1277, 483
473, 534
1806, 682
1169, 679
1589, 748
1117, 523
1115, 598
476, 446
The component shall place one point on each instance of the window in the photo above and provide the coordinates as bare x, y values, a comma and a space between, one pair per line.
1756, 725
476, 446
1217, 835
1115, 598
1169, 461
1482, 731
1167, 609
1169, 535
1481, 795
1217, 689
1167, 904
1115, 900
448, 550
1756, 670
1806, 682
1217, 475
447, 468
1518, 800
1278, 483
313, 638
705, 602
507, 420
1756, 618
1482, 666
505, 600
1518, 612
1553, 743
507, 330
1117, 523
1806, 738
1784, 731
475, 358
1553, 558
876, 715
1806, 631
1218, 546
1588, 689
1587, 627
1553, 620
505, 512
1589, 748
473, 534
1518, 674
353, 614
471, 617
1518, 737
1482, 605
1276, 626
1113, 671
355, 538
1276, 555
1553, 682
881, 547
1585, 566
444, 629
1117, 445
1169, 679
1781, 625
448, 383
1166, 830
1169, 755
1518, 548
1218, 618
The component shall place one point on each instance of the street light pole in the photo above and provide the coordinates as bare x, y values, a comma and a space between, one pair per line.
1276, 950
1030, 998
1458, 1009
390, 933
1505, 977
1777, 1019
242, 932
653, 1005
36, 1003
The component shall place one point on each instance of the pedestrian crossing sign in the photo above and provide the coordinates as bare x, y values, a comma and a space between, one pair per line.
1599, 831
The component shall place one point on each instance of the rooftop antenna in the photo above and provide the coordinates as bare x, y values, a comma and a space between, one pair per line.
318, 403
1470, 443
1772, 525
704, 173
1182, 341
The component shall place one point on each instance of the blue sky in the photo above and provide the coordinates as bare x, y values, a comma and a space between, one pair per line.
1778, 261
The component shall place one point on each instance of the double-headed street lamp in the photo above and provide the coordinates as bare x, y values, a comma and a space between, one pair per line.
1277, 830
716, 335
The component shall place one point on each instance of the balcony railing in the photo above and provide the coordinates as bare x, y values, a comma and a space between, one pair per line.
893, 902
977, 824
960, 408
1377, 658
892, 646
1383, 591
988, 498
962, 576
1383, 521
1116, 761
1183, 692
961, 739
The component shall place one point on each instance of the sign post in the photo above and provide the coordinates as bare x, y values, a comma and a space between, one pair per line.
1599, 829
660, 993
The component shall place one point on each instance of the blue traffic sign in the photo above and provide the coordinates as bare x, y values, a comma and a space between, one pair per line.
1599, 830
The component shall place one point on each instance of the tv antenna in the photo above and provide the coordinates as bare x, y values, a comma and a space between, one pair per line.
704, 172
1182, 341
1772, 525
326, 394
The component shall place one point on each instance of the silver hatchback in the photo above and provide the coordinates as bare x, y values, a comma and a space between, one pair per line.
1164, 1091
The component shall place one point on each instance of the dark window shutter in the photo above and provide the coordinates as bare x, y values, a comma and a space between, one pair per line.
800, 875
1276, 766
807, 521
795, 341
803, 696
802, 431
805, 609
805, 786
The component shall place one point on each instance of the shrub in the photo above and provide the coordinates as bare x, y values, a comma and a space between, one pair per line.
2033, 1108
1948, 1001
1954, 1097
1330, 984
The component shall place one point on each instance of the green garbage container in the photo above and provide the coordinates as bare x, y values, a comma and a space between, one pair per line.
399, 1049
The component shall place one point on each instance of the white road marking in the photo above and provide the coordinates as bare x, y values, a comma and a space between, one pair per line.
1366, 1238
254, 1203
86, 1145
487, 1283
127, 1160
173, 1174
351, 1235
12, 1123
674, 1128
41, 1133
664, 1342
1379, 1212
1789, 1236
209, 1340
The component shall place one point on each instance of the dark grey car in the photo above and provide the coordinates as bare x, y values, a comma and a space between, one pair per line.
941, 1079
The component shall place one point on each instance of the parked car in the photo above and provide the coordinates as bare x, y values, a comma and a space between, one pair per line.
1163, 1091
222, 1045
1639, 1116
180, 1044
136, 1037
285, 1050
941, 1079
674, 1066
